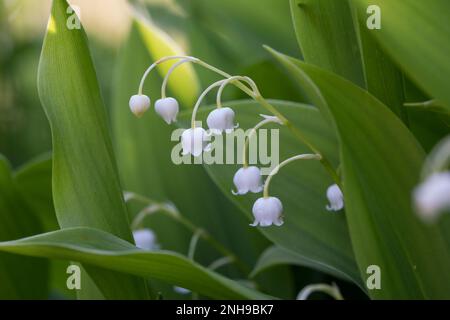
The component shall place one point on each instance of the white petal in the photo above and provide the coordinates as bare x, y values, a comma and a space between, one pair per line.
139, 104
168, 109
221, 119
145, 239
335, 197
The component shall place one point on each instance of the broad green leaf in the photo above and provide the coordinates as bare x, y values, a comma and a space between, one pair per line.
276, 256
34, 180
143, 149
415, 34
86, 190
20, 277
316, 235
104, 250
382, 77
327, 37
381, 163
183, 82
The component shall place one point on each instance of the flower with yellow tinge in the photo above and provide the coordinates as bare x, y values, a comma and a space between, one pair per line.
139, 104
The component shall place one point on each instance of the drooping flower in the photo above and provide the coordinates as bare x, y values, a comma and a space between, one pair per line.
267, 211
145, 239
194, 141
139, 104
432, 197
168, 109
248, 179
335, 197
221, 119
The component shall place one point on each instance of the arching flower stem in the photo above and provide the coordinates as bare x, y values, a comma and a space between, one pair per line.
173, 213
257, 97
285, 162
211, 87
267, 119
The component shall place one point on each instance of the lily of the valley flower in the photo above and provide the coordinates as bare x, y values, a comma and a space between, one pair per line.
432, 197
145, 239
194, 141
335, 197
168, 109
221, 119
139, 104
248, 179
267, 211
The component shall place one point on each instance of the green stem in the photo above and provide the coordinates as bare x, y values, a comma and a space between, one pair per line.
299, 135
174, 214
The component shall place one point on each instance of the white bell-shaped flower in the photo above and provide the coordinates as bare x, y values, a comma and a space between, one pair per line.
432, 197
248, 179
139, 104
335, 197
194, 141
221, 119
268, 211
168, 109
145, 239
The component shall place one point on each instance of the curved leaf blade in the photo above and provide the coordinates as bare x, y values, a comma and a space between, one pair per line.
381, 163
101, 249
326, 35
415, 34
276, 256
86, 190
20, 277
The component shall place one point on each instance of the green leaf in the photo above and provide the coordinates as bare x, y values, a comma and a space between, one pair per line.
381, 162
310, 231
86, 190
382, 77
276, 256
415, 34
326, 35
20, 277
143, 149
34, 180
101, 249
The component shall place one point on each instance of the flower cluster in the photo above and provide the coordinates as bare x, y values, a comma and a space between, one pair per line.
267, 210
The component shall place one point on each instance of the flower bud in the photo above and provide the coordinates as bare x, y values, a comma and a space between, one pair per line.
221, 119
335, 197
168, 109
145, 239
139, 103
194, 141
248, 179
268, 211
432, 197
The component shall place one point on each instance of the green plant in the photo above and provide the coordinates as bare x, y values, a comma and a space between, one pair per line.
369, 106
